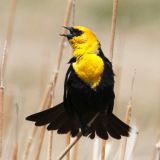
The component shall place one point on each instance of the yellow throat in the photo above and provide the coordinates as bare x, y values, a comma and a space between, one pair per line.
89, 69
88, 66
86, 43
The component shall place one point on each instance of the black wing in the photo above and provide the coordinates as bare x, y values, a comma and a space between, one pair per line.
107, 81
80, 97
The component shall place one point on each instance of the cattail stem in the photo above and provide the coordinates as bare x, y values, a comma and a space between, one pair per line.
43, 104
40, 142
158, 150
75, 153
51, 87
3, 66
68, 139
73, 12
69, 147
111, 47
50, 136
50, 145
103, 149
124, 140
127, 119
15, 152
29, 143
65, 23
113, 28
1, 117
42, 132
15, 147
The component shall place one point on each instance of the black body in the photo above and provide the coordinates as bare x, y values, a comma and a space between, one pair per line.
81, 103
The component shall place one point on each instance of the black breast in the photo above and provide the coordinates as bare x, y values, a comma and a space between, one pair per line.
80, 97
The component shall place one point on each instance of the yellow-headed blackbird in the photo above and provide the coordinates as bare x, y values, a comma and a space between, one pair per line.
88, 90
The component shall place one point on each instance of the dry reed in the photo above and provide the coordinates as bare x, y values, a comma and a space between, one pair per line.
103, 150
43, 104
96, 149
113, 28
124, 139
15, 147
68, 148
40, 142
68, 139
15, 152
1, 117
127, 119
51, 86
50, 146
115, 8
158, 150
75, 153
111, 48
50, 135
73, 12
42, 131
3, 66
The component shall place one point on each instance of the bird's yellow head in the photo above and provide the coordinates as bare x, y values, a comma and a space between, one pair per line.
82, 40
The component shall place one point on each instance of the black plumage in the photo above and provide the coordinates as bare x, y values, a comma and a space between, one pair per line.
81, 103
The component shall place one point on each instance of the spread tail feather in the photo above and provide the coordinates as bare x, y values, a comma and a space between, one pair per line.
57, 118
111, 125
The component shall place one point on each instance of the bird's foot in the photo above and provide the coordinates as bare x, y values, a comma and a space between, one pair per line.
86, 130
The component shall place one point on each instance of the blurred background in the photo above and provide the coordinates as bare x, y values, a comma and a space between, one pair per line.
32, 58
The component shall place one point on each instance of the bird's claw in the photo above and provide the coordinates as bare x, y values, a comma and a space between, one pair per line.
86, 130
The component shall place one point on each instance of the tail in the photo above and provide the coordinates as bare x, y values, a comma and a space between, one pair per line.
111, 125
57, 119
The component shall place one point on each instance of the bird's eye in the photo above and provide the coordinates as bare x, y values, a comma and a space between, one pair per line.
76, 32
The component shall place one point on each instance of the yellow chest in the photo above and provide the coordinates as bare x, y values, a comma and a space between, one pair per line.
89, 69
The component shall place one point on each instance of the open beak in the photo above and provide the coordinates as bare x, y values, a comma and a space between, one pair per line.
69, 35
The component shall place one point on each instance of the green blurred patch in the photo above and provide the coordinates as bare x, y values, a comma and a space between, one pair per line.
137, 11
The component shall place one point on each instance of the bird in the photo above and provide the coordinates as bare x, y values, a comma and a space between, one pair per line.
88, 98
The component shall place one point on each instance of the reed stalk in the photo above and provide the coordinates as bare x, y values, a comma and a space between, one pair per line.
124, 140
15, 147
111, 49
3, 66
43, 104
103, 150
158, 150
127, 119
75, 153
1, 118
50, 135
51, 86
73, 12
42, 133
96, 149
115, 8
68, 139
15, 152
50, 145
113, 28
68, 148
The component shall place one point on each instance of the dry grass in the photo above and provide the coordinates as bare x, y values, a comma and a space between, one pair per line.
3, 66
